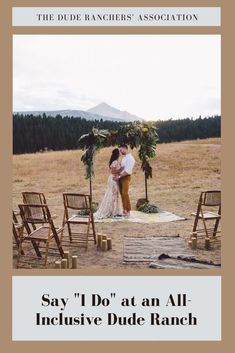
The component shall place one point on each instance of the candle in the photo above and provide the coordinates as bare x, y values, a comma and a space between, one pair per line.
190, 243
207, 244
58, 264
64, 263
109, 243
74, 261
104, 237
194, 243
99, 238
66, 256
104, 245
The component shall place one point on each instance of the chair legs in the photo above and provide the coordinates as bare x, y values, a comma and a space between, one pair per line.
205, 227
18, 235
47, 249
20, 252
93, 228
195, 224
47, 246
87, 233
209, 232
217, 223
70, 232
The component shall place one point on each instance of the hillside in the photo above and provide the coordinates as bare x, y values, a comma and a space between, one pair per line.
102, 111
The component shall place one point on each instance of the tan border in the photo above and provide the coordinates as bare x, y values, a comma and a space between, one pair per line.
228, 178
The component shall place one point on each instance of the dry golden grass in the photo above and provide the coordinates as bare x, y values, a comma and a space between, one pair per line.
180, 172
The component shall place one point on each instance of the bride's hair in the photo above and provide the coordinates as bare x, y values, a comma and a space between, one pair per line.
114, 156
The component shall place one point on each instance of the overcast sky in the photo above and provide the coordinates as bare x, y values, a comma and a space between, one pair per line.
151, 76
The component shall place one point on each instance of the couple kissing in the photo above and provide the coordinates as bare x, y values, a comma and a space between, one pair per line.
116, 201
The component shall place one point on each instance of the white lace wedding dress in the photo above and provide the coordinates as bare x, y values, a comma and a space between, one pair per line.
111, 203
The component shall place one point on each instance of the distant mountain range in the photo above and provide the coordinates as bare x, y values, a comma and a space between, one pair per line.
101, 111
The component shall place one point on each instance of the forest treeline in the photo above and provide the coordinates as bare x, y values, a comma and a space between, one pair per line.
40, 133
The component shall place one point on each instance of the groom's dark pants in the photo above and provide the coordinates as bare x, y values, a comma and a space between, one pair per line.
124, 189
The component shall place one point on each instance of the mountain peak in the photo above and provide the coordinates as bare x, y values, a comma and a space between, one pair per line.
103, 104
111, 112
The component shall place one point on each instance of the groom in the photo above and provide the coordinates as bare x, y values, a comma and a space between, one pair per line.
124, 178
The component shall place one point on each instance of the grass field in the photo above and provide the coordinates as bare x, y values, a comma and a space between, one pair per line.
180, 172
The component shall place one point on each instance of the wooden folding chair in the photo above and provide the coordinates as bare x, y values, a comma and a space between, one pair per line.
34, 198
14, 216
45, 233
80, 203
207, 200
17, 229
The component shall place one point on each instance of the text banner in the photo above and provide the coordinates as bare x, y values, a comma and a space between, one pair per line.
104, 308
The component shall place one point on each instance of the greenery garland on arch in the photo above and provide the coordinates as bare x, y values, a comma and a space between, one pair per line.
140, 135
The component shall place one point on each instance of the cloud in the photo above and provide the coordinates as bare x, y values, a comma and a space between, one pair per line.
151, 76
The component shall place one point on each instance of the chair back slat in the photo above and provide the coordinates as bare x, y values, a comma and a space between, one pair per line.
34, 198
34, 214
76, 201
212, 198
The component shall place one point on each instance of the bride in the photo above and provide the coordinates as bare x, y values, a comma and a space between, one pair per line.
111, 204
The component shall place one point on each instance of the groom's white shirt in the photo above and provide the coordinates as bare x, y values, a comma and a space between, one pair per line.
128, 163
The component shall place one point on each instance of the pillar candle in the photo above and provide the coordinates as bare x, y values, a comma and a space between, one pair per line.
58, 264
194, 243
104, 237
66, 256
74, 261
64, 263
207, 244
99, 238
104, 245
109, 243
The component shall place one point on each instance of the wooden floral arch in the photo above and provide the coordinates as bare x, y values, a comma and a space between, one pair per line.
140, 135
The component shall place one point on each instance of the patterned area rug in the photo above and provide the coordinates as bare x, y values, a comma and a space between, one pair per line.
162, 252
140, 217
